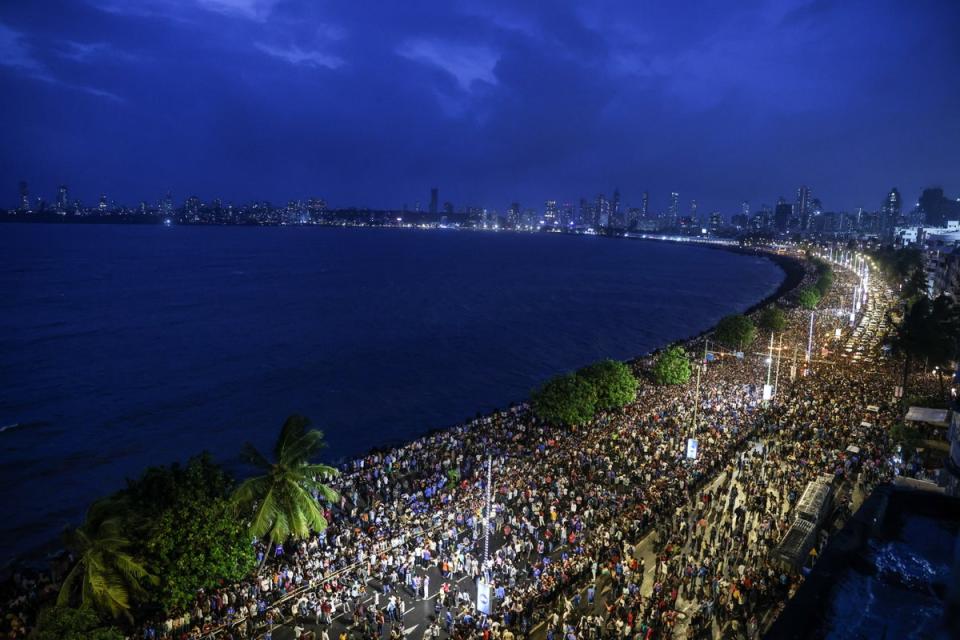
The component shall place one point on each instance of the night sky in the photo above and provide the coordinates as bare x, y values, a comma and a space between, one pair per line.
372, 103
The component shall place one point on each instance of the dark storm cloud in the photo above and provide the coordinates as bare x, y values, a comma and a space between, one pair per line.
374, 103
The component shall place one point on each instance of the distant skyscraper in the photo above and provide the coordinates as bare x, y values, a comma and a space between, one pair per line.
782, 215
745, 208
566, 216
434, 204
62, 198
802, 208
693, 210
890, 213
586, 213
24, 191
103, 203
602, 212
615, 218
674, 212
551, 214
645, 205
513, 215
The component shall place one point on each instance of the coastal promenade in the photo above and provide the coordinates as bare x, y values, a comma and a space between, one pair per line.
603, 530
594, 529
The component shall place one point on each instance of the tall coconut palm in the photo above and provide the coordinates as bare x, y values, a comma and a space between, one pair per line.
106, 576
282, 500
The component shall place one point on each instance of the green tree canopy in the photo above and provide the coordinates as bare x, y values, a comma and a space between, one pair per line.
615, 384
65, 623
907, 436
916, 285
190, 533
735, 331
898, 264
281, 501
672, 367
809, 298
825, 281
106, 576
930, 331
773, 319
566, 399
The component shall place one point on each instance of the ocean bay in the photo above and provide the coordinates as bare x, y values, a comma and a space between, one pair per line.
126, 346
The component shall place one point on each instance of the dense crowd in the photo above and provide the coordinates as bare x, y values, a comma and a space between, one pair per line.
570, 553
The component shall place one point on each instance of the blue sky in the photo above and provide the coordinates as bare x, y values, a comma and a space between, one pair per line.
372, 103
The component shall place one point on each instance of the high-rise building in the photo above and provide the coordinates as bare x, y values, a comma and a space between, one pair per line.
566, 215
782, 215
602, 212
551, 214
586, 213
890, 212
802, 208
693, 210
645, 205
716, 220
745, 208
102, 205
936, 208
62, 198
167, 205
434, 197
513, 215
24, 196
615, 218
674, 212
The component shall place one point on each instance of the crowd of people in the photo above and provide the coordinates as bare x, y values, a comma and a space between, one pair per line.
600, 531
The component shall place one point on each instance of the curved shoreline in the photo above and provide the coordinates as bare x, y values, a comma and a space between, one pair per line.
793, 275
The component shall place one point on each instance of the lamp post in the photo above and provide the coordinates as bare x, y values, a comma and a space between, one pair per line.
776, 376
486, 518
696, 392
767, 388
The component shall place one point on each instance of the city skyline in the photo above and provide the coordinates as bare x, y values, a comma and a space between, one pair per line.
805, 206
261, 100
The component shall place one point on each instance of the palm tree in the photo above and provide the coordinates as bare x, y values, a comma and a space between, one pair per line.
105, 576
284, 500
929, 331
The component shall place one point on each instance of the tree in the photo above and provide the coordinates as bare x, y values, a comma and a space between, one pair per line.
809, 298
65, 623
773, 319
192, 536
908, 437
672, 367
566, 399
284, 500
916, 285
929, 331
825, 279
106, 576
613, 382
735, 331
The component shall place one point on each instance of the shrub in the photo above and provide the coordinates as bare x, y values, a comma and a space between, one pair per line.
672, 367
567, 399
773, 319
613, 382
735, 331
